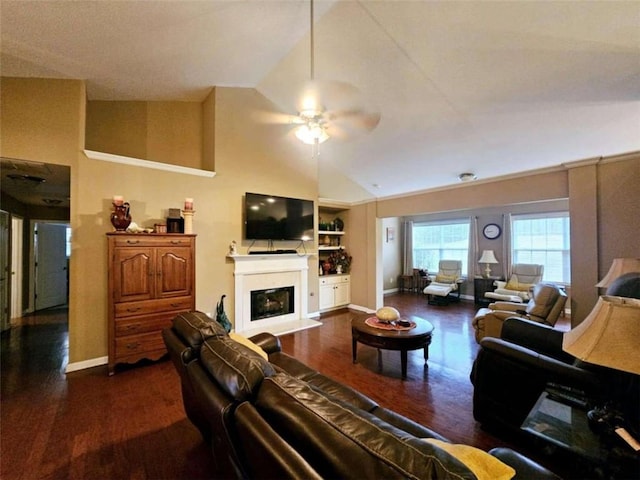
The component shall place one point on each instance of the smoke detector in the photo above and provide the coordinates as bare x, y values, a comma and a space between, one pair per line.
467, 177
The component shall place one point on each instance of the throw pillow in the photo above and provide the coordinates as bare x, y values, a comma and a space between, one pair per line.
446, 278
249, 344
483, 465
513, 284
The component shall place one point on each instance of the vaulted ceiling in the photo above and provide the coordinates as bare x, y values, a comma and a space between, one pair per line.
492, 88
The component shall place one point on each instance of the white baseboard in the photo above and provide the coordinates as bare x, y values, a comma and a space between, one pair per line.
361, 309
93, 362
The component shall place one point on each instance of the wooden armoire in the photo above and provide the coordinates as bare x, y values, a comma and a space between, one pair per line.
151, 280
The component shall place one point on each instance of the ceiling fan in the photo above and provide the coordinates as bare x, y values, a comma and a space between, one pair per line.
328, 108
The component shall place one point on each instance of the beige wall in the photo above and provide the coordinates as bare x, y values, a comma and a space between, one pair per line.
531, 188
168, 132
618, 191
257, 159
42, 120
366, 270
583, 210
391, 253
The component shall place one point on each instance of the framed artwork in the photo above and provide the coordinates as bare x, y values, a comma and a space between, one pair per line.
390, 234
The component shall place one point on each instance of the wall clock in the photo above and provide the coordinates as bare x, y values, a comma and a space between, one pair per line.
491, 231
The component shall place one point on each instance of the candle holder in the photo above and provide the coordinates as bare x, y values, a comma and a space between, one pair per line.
188, 220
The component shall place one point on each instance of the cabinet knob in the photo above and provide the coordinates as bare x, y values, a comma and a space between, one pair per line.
130, 309
132, 346
176, 242
133, 242
133, 326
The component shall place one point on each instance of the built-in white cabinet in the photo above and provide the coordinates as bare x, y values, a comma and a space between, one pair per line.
335, 291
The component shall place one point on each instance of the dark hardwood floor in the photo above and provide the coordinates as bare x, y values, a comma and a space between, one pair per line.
87, 425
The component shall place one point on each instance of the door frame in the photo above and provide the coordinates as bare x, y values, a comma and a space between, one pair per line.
32, 260
17, 267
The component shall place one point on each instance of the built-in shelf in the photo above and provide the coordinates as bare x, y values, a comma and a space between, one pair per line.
327, 247
330, 232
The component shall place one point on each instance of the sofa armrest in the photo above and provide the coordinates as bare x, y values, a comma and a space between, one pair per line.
268, 342
526, 469
506, 306
536, 336
555, 371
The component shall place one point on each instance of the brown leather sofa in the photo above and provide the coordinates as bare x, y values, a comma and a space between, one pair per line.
278, 418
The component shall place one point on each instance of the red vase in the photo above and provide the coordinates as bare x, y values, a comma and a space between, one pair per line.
326, 266
120, 217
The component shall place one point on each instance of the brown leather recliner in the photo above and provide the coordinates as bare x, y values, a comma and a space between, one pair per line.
510, 372
545, 307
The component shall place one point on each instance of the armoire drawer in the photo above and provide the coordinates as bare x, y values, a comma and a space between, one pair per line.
129, 309
135, 344
146, 323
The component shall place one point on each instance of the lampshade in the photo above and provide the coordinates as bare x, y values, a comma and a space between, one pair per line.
609, 336
488, 257
311, 132
619, 267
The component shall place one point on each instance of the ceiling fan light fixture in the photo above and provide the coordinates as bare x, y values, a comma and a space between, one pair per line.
311, 133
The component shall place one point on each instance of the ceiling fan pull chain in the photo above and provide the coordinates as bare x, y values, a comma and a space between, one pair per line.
311, 45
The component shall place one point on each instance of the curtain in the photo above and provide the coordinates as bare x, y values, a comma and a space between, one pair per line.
407, 248
506, 246
473, 248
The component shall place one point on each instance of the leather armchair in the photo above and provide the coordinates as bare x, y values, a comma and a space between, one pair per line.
510, 373
545, 307
444, 282
520, 285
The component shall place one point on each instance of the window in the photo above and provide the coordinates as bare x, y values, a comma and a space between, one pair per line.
435, 241
543, 239
68, 242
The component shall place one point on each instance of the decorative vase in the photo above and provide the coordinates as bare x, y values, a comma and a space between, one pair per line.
338, 269
120, 217
326, 266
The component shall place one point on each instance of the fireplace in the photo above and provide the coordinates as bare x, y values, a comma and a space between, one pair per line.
272, 302
271, 294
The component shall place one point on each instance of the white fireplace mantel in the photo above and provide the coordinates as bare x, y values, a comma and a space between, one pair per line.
257, 272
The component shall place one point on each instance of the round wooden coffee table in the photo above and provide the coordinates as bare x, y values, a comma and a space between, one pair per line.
403, 340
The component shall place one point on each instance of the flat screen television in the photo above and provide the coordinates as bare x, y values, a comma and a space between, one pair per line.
269, 217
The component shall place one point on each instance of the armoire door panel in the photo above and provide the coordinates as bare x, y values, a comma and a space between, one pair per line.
134, 273
175, 276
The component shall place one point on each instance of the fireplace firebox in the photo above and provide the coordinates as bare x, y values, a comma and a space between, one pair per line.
272, 302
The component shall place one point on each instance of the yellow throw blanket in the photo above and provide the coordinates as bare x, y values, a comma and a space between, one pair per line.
483, 465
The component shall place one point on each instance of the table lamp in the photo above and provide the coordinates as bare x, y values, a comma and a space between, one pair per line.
487, 258
619, 267
609, 337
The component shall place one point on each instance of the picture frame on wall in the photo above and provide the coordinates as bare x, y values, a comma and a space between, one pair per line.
390, 234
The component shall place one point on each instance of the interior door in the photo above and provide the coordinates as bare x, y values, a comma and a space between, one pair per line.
51, 265
17, 228
5, 279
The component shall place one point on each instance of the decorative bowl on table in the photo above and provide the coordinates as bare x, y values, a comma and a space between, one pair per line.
387, 314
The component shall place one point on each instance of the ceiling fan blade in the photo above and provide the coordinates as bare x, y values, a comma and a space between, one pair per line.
321, 95
357, 119
278, 118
